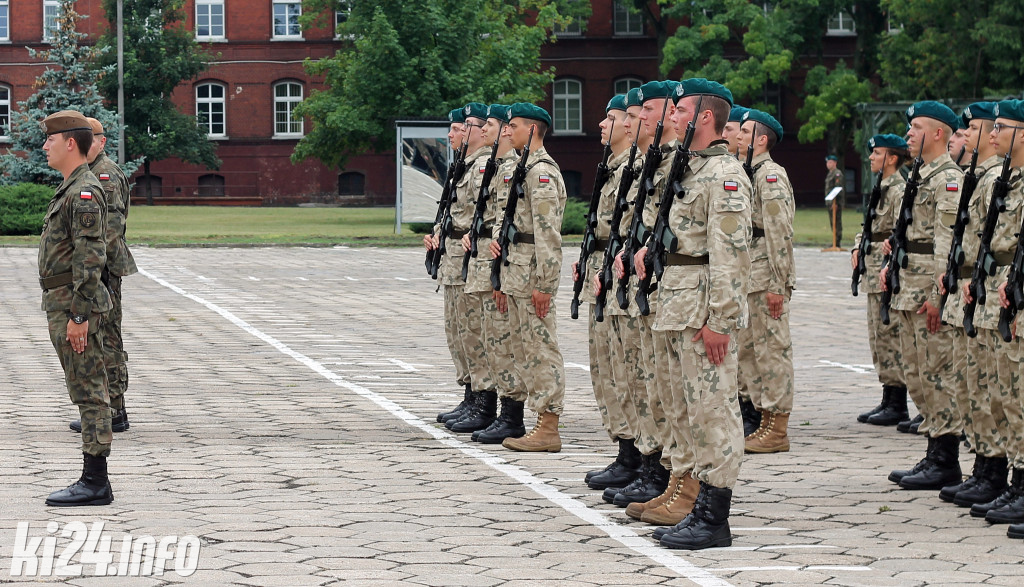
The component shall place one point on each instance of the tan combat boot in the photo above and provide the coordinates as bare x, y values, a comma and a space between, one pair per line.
637, 508
772, 438
543, 438
676, 507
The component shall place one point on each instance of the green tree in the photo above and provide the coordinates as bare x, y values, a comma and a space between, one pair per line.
419, 59
70, 83
159, 54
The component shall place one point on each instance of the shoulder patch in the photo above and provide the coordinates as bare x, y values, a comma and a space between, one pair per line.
544, 179
731, 186
508, 178
483, 169
85, 195
104, 177
952, 187
88, 220
772, 178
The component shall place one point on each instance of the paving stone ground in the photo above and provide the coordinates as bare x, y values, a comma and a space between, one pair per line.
282, 407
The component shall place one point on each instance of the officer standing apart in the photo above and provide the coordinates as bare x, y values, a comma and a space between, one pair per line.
702, 299
835, 179
72, 254
120, 263
530, 281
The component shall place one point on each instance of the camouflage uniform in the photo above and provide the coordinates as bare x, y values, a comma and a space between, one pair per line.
927, 357
765, 349
72, 254
834, 179
536, 266
1014, 410
120, 263
712, 224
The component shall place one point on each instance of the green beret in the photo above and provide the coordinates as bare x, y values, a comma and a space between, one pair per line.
65, 121
978, 110
935, 111
527, 110
737, 113
887, 141
633, 98
831, 158
765, 119
475, 110
616, 103
1012, 109
457, 115
498, 111
698, 86
654, 90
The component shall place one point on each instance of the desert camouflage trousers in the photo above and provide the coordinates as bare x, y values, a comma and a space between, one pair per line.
1014, 407
928, 371
884, 341
994, 409
703, 410
474, 342
454, 331
86, 380
538, 360
614, 356
650, 408
114, 356
497, 350
765, 357
971, 384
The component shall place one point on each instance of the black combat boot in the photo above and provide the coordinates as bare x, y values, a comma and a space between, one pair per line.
1015, 531
949, 492
897, 475
942, 466
751, 417
1012, 512
709, 522
863, 418
990, 484
459, 409
92, 488
118, 422
508, 425
482, 417
894, 411
980, 510
622, 471
651, 483
910, 426
472, 407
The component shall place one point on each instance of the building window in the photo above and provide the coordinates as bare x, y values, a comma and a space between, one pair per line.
211, 186
626, 84
210, 109
627, 22
573, 29
573, 182
841, 24
287, 96
50, 10
209, 19
341, 17
286, 19
153, 186
351, 183
893, 28
5, 113
5, 21
568, 100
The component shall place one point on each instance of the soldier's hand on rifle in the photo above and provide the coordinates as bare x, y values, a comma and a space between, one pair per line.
495, 249
501, 300
968, 298
715, 345
541, 303
775, 304
934, 318
882, 275
1003, 300
853, 260
942, 283
575, 274
430, 242
886, 247
620, 270
465, 241
597, 285
638, 263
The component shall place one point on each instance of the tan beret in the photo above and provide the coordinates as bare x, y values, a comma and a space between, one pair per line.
97, 127
65, 121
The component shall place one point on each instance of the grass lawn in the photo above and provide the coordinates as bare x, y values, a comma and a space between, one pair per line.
207, 225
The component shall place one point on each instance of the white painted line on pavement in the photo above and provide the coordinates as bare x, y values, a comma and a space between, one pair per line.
761, 529
403, 365
597, 518
578, 366
855, 368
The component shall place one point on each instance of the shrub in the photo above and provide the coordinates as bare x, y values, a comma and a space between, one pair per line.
22, 207
574, 220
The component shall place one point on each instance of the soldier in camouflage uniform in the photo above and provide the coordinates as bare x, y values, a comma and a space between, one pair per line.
72, 254
119, 264
888, 154
702, 299
530, 281
925, 342
958, 144
835, 179
731, 134
766, 349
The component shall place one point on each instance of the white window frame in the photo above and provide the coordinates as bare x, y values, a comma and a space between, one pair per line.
625, 22
210, 102
842, 25
5, 18
209, 5
341, 17
631, 82
567, 119
5, 108
287, 36
573, 29
55, 6
893, 30
286, 105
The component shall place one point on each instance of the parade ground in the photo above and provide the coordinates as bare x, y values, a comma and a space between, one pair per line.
282, 403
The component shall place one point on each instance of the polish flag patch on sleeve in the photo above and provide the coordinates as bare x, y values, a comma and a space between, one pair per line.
772, 178
508, 178
85, 195
952, 187
731, 186
104, 177
483, 169
544, 179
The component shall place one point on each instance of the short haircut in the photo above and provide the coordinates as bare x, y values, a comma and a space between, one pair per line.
763, 130
720, 109
83, 138
902, 156
542, 128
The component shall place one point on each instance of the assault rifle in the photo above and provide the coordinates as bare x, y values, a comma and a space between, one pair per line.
508, 234
637, 231
748, 165
985, 265
444, 208
963, 150
476, 228
864, 249
614, 239
590, 232
963, 218
662, 239
897, 257
1014, 289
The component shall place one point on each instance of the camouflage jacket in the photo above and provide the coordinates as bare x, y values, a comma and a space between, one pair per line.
892, 194
465, 192
115, 185
650, 217
938, 195
834, 179
72, 244
1003, 246
478, 279
772, 210
605, 207
713, 219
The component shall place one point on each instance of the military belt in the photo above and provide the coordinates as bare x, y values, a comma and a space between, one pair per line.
921, 247
457, 234
55, 281
525, 238
673, 259
758, 232
1003, 258
601, 244
877, 238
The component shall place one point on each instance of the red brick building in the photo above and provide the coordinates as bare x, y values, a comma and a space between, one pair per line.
245, 99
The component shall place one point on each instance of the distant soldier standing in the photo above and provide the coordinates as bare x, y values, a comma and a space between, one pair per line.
835, 179
72, 254
731, 133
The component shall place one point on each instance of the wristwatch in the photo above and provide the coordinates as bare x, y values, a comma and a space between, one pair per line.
78, 318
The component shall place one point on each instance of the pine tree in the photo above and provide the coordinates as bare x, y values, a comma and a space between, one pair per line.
70, 83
